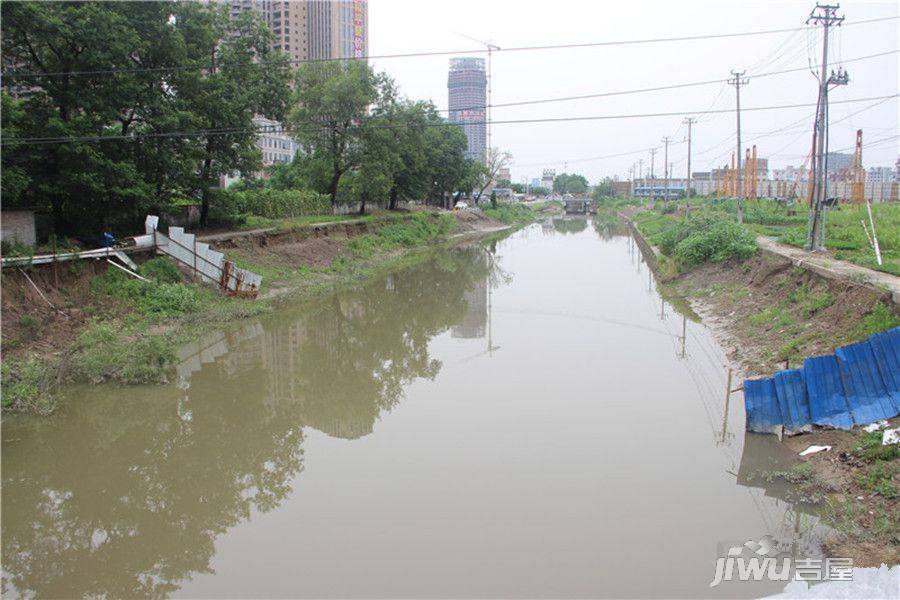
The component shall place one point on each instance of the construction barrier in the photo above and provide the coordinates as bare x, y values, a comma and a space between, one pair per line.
857, 385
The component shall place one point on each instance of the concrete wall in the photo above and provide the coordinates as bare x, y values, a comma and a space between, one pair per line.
18, 225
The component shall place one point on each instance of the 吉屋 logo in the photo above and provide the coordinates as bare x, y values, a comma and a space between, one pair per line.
755, 561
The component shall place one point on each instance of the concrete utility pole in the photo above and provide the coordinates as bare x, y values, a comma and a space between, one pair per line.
665, 141
737, 81
689, 121
652, 156
825, 15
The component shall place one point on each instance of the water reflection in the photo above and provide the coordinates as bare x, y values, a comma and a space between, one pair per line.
124, 493
603, 417
748, 455
570, 224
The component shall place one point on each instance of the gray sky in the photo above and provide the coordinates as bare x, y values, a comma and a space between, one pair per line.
422, 25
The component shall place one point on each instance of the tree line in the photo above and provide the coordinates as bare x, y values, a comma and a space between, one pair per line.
122, 109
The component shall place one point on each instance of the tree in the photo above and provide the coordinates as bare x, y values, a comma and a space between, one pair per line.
565, 183
448, 169
604, 189
494, 161
539, 191
15, 180
329, 117
236, 76
57, 49
117, 82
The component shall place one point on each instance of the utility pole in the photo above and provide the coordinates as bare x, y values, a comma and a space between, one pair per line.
689, 121
825, 15
737, 81
665, 141
652, 156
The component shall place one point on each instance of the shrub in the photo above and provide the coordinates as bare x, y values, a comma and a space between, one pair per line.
279, 204
696, 240
13, 247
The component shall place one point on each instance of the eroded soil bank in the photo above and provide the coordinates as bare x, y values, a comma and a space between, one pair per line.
770, 314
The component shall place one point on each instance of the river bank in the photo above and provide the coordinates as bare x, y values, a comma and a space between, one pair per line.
769, 313
105, 326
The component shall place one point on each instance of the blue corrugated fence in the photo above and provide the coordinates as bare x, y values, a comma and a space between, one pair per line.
857, 385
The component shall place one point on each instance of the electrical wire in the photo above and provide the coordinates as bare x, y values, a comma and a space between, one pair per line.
277, 129
685, 38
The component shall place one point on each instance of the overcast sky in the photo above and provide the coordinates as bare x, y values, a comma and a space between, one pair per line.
398, 26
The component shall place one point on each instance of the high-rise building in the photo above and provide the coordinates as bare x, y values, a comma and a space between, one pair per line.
338, 28
289, 21
467, 89
304, 30
313, 29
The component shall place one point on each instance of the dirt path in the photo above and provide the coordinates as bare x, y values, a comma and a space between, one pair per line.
832, 268
232, 235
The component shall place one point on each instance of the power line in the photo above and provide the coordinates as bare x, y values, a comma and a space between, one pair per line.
784, 130
277, 129
655, 88
452, 52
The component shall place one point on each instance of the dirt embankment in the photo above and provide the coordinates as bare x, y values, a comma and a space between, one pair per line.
856, 483
31, 326
319, 246
773, 313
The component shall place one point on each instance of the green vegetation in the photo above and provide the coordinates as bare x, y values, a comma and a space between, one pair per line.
697, 239
103, 352
844, 234
142, 323
84, 184
870, 448
807, 488
810, 302
205, 74
27, 384
272, 203
566, 183
879, 478
881, 318
421, 229
150, 299
511, 213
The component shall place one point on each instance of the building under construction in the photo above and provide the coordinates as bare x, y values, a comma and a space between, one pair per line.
467, 88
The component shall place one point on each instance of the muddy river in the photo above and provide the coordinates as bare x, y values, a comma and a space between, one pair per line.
531, 417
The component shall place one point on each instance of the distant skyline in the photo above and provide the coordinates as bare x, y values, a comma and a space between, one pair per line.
782, 136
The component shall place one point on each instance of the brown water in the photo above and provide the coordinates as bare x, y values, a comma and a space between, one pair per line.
523, 419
